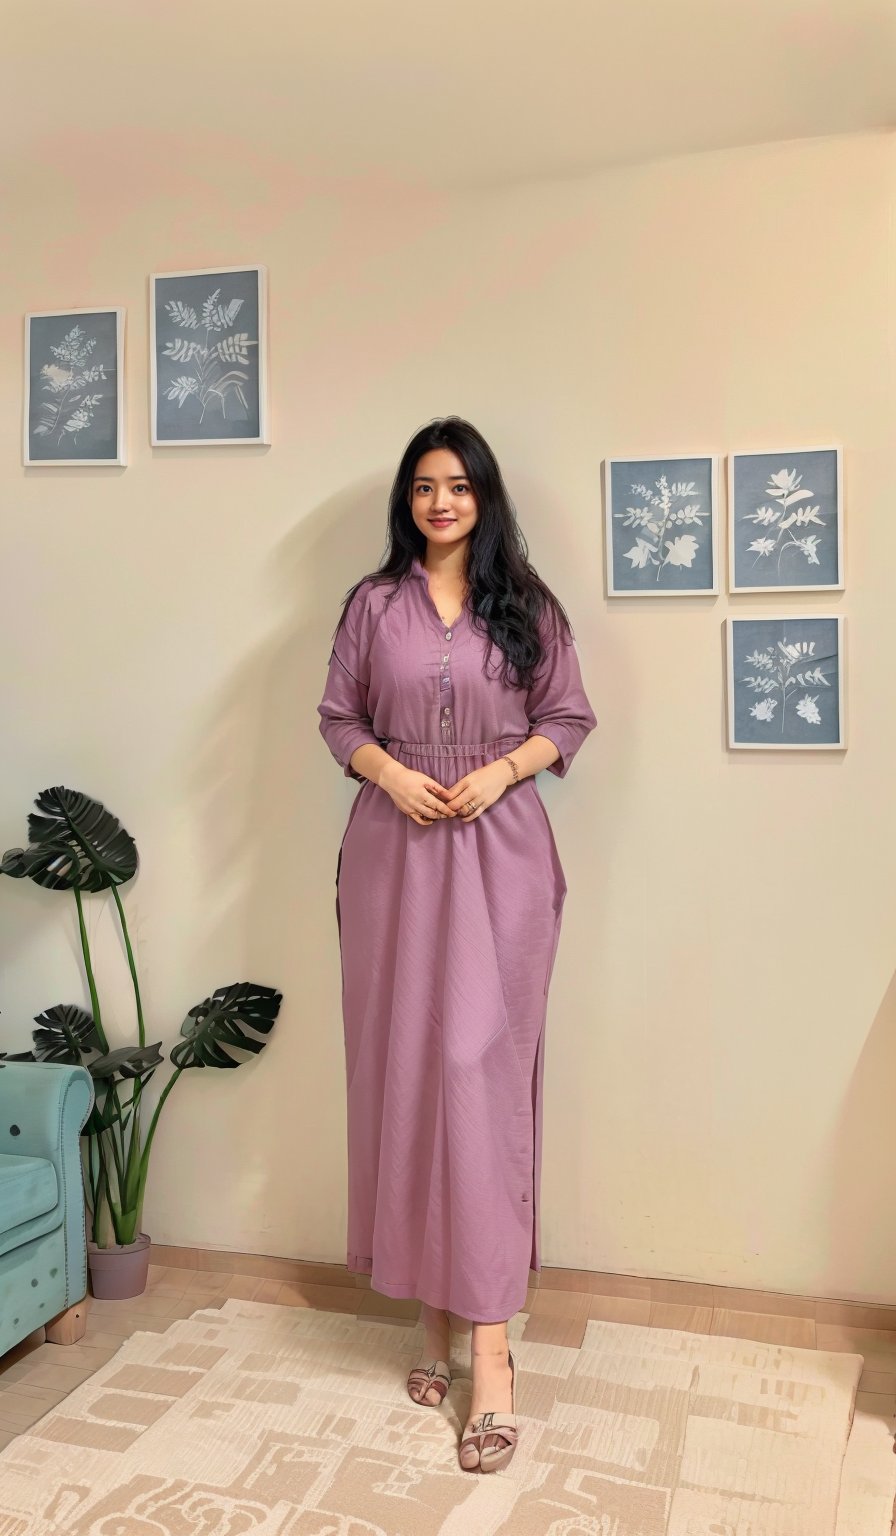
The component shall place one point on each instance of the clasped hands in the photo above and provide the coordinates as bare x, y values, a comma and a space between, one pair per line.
426, 801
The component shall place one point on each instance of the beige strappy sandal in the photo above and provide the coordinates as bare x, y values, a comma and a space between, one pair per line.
493, 1440
437, 1374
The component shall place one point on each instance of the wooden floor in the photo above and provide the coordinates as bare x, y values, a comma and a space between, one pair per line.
35, 1376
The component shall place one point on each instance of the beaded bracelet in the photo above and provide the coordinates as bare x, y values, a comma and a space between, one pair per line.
516, 771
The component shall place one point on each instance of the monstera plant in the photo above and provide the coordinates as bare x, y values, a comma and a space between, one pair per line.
76, 845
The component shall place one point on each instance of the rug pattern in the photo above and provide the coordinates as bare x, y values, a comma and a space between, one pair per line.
263, 1420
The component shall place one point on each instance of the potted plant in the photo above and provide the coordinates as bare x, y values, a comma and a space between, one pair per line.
77, 845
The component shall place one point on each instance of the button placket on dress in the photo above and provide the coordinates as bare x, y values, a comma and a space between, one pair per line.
445, 692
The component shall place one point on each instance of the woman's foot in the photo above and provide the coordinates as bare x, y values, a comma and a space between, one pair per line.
491, 1386
490, 1435
491, 1382
434, 1359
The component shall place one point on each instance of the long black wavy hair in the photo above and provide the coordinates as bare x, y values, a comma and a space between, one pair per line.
507, 596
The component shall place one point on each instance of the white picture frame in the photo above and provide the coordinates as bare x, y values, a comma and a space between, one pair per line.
760, 510
637, 520
71, 416
208, 357
767, 654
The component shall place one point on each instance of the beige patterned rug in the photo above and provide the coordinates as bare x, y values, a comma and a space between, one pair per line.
264, 1420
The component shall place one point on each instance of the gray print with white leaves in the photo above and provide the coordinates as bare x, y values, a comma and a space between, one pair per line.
786, 517
778, 676
656, 516
71, 406
214, 362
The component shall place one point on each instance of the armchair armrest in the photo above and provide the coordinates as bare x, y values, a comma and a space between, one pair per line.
44, 1106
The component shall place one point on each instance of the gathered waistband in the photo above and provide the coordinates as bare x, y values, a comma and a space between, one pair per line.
452, 748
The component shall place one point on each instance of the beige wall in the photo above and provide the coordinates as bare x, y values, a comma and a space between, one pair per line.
720, 1066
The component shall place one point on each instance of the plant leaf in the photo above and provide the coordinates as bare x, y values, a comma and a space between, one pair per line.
221, 1023
76, 844
128, 1061
65, 1033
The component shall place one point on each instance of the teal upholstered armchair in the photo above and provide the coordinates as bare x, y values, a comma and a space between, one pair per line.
43, 1239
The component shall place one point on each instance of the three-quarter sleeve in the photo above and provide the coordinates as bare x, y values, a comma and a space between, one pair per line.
556, 704
344, 721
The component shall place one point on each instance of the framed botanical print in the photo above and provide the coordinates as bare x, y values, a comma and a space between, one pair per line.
208, 357
785, 521
74, 387
786, 680
661, 526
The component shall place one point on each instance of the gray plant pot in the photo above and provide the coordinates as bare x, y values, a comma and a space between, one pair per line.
120, 1270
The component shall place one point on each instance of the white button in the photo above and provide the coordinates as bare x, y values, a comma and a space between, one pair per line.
447, 710
447, 634
444, 658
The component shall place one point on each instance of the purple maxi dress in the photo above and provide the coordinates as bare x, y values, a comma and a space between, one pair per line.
448, 935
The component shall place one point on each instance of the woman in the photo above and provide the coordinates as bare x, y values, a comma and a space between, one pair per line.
453, 680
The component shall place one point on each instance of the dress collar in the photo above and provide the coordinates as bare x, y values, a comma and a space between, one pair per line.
419, 570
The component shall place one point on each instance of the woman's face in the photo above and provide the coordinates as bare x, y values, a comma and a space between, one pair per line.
442, 502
